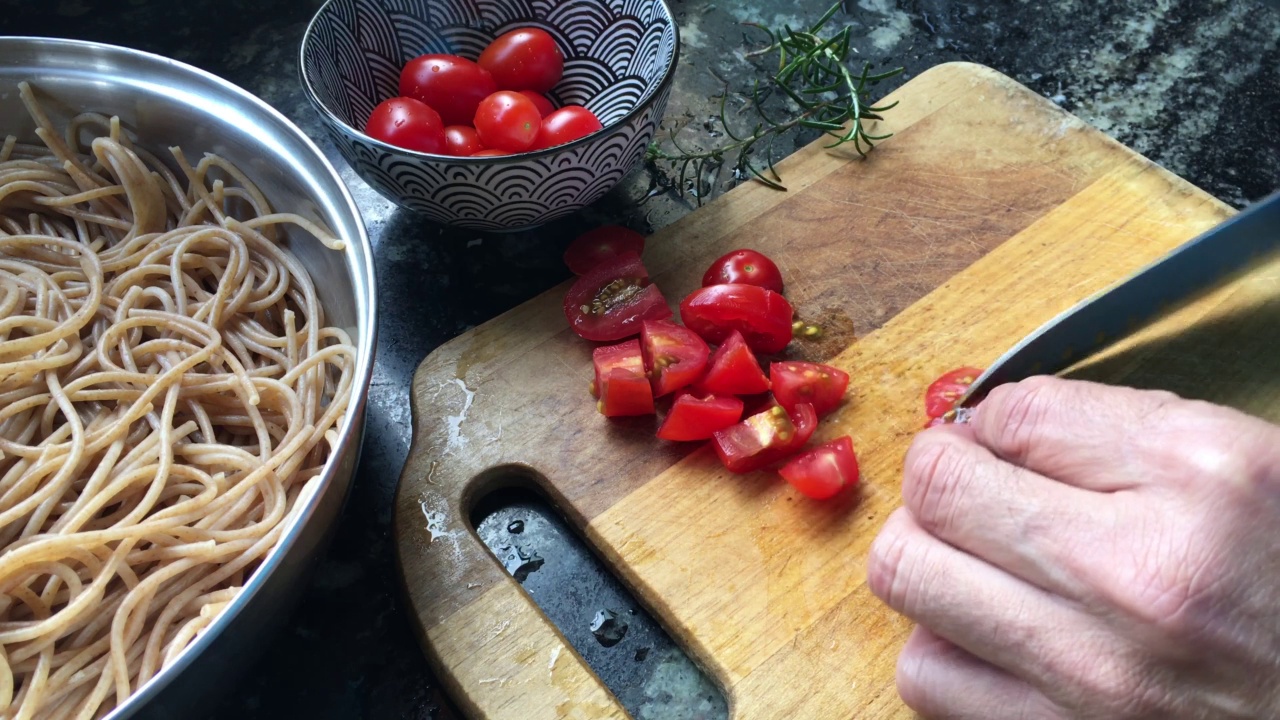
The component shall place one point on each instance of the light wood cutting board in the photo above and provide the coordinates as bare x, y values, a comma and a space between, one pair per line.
989, 211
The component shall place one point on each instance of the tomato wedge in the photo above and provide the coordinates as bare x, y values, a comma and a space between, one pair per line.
621, 384
600, 245
765, 438
695, 417
946, 391
734, 370
823, 471
674, 355
820, 385
611, 301
762, 316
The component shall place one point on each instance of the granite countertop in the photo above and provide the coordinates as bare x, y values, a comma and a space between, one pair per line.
1192, 84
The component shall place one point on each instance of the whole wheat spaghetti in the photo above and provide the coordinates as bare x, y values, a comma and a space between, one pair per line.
168, 392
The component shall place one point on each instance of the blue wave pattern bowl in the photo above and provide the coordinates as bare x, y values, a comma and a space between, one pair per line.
620, 57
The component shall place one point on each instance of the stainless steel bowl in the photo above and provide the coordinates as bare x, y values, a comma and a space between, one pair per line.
169, 103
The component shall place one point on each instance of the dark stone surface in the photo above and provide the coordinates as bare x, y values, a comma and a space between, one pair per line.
1193, 84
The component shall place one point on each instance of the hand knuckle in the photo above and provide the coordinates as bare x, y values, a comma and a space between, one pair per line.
937, 471
1120, 689
892, 568
1020, 411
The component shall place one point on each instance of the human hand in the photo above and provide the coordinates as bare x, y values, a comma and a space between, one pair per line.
1083, 551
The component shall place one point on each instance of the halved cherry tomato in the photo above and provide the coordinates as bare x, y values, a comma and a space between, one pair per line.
407, 123
540, 101
946, 391
621, 384
507, 121
452, 85
765, 438
748, 267
566, 125
674, 355
600, 244
819, 385
823, 471
698, 417
461, 141
490, 152
734, 370
524, 59
611, 301
762, 316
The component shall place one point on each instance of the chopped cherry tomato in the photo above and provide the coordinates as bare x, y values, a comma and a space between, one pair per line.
508, 121
407, 123
946, 391
566, 125
744, 266
490, 152
824, 470
765, 438
819, 385
452, 85
621, 384
762, 316
674, 355
734, 370
540, 101
600, 244
461, 141
525, 59
611, 301
695, 417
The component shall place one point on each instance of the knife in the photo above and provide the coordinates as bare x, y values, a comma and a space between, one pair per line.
1159, 288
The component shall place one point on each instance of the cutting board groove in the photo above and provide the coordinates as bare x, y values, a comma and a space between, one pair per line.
989, 211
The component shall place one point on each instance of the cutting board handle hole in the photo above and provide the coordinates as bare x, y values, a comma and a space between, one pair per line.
644, 667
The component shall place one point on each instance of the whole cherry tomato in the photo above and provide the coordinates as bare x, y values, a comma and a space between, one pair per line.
525, 59
566, 125
451, 85
544, 105
461, 141
747, 267
508, 121
407, 123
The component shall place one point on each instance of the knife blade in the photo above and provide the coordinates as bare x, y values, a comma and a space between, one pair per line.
1157, 289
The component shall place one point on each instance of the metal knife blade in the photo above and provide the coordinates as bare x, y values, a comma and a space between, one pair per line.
1148, 294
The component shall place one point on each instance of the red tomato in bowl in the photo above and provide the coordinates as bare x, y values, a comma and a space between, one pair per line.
621, 384
452, 85
819, 385
946, 391
540, 101
407, 123
747, 267
599, 245
734, 370
674, 355
566, 125
524, 59
765, 438
461, 141
507, 121
698, 417
611, 301
490, 152
762, 316
823, 471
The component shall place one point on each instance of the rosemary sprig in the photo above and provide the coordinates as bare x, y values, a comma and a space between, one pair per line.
813, 72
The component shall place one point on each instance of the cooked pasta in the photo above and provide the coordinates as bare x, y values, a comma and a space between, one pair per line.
169, 394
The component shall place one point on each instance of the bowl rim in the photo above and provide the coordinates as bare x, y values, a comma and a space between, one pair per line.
351, 425
668, 77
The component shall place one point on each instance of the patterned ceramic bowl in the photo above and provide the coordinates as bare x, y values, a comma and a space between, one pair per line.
620, 56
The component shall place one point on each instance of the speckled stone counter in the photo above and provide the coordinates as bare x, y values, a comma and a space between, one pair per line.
1193, 84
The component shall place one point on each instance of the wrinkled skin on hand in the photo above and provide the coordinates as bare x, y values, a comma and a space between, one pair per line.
1082, 551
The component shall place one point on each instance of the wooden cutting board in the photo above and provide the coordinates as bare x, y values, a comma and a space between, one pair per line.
989, 211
